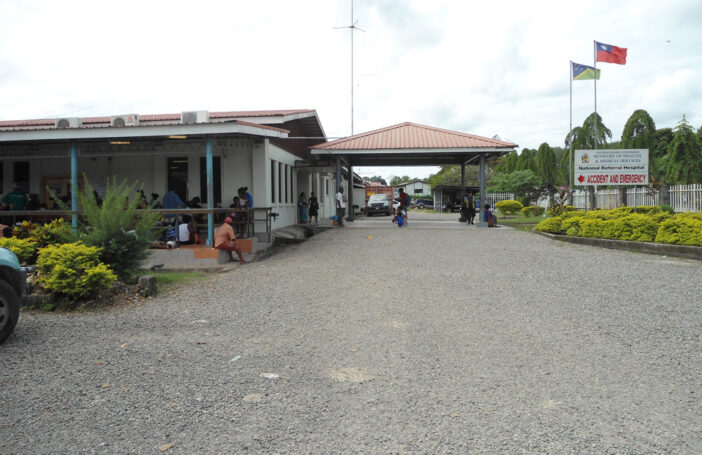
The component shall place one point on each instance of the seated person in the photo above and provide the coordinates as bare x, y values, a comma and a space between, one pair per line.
187, 231
225, 240
490, 218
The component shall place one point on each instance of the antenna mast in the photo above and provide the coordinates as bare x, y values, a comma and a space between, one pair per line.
352, 27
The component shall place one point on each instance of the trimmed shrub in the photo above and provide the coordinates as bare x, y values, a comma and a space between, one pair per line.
592, 227
552, 225
532, 211
54, 232
637, 227
73, 270
666, 208
24, 249
508, 207
682, 229
571, 225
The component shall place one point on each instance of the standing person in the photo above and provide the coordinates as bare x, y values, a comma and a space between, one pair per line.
16, 199
225, 240
302, 206
314, 207
471, 208
340, 206
405, 202
246, 203
239, 216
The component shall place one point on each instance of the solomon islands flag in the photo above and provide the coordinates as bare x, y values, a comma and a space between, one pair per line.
583, 72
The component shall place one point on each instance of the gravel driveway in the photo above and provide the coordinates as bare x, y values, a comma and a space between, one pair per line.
436, 338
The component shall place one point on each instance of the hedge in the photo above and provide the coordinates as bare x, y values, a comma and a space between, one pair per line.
640, 224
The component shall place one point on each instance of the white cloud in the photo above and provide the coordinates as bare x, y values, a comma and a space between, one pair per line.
479, 67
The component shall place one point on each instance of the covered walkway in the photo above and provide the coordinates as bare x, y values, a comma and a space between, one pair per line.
411, 144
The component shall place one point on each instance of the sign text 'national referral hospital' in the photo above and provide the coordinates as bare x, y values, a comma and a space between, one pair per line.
611, 167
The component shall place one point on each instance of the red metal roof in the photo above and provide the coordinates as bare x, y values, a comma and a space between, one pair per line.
410, 135
149, 118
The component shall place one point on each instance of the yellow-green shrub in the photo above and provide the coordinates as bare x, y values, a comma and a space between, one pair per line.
532, 210
56, 231
571, 225
508, 207
637, 227
552, 225
73, 270
682, 229
592, 227
24, 249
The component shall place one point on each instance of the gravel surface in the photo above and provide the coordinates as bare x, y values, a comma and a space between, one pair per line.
436, 338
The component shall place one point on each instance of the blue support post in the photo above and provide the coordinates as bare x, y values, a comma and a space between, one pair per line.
483, 197
210, 191
74, 186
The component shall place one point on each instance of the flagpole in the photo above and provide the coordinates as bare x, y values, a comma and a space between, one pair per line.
570, 157
594, 58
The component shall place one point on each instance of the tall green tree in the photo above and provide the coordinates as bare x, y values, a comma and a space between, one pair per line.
684, 163
451, 175
584, 137
546, 164
527, 160
378, 179
639, 131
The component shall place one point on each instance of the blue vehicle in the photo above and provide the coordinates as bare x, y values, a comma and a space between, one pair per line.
13, 281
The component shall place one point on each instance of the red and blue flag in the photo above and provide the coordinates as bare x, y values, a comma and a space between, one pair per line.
610, 54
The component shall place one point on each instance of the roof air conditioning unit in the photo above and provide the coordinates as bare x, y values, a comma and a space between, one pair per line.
72, 122
124, 120
191, 117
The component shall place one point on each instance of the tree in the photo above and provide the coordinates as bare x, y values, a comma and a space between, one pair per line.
583, 137
639, 131
451, 175
527, 160
379, 179
518, 182
395, 180
684, 163
546, 164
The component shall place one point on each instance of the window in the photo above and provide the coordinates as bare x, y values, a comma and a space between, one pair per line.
286, 183
21, 175
417, 191
292, 189
326, 187
280, 182
216, 179
272, 181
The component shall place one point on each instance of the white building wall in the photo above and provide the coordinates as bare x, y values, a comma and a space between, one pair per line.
287, 210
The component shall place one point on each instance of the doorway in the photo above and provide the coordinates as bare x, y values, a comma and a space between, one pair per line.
178, 176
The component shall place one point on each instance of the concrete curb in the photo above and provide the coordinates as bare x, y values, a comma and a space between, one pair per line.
683, 251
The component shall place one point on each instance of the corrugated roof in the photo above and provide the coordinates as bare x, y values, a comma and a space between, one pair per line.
410, 135
149, 118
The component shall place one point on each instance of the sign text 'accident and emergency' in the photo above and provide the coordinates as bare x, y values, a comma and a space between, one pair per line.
611, 167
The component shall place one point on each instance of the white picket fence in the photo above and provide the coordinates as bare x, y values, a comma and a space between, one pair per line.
683, 198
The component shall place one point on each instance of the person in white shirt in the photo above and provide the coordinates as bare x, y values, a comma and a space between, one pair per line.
340, 205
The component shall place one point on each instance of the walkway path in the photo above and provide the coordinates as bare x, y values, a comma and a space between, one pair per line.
369, 340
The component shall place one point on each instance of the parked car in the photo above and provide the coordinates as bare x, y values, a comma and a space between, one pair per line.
13, 280
453, 206
378, 203
424, 203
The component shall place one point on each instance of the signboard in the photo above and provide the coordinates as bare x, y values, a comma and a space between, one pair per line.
611, 167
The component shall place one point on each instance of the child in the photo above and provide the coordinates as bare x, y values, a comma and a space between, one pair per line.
400, 217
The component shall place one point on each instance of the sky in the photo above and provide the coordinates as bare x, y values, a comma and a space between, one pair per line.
486, 68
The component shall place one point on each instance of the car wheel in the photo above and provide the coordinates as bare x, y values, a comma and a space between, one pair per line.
9, 310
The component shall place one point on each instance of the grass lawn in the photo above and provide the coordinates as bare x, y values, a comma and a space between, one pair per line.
165, 279
520, 222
